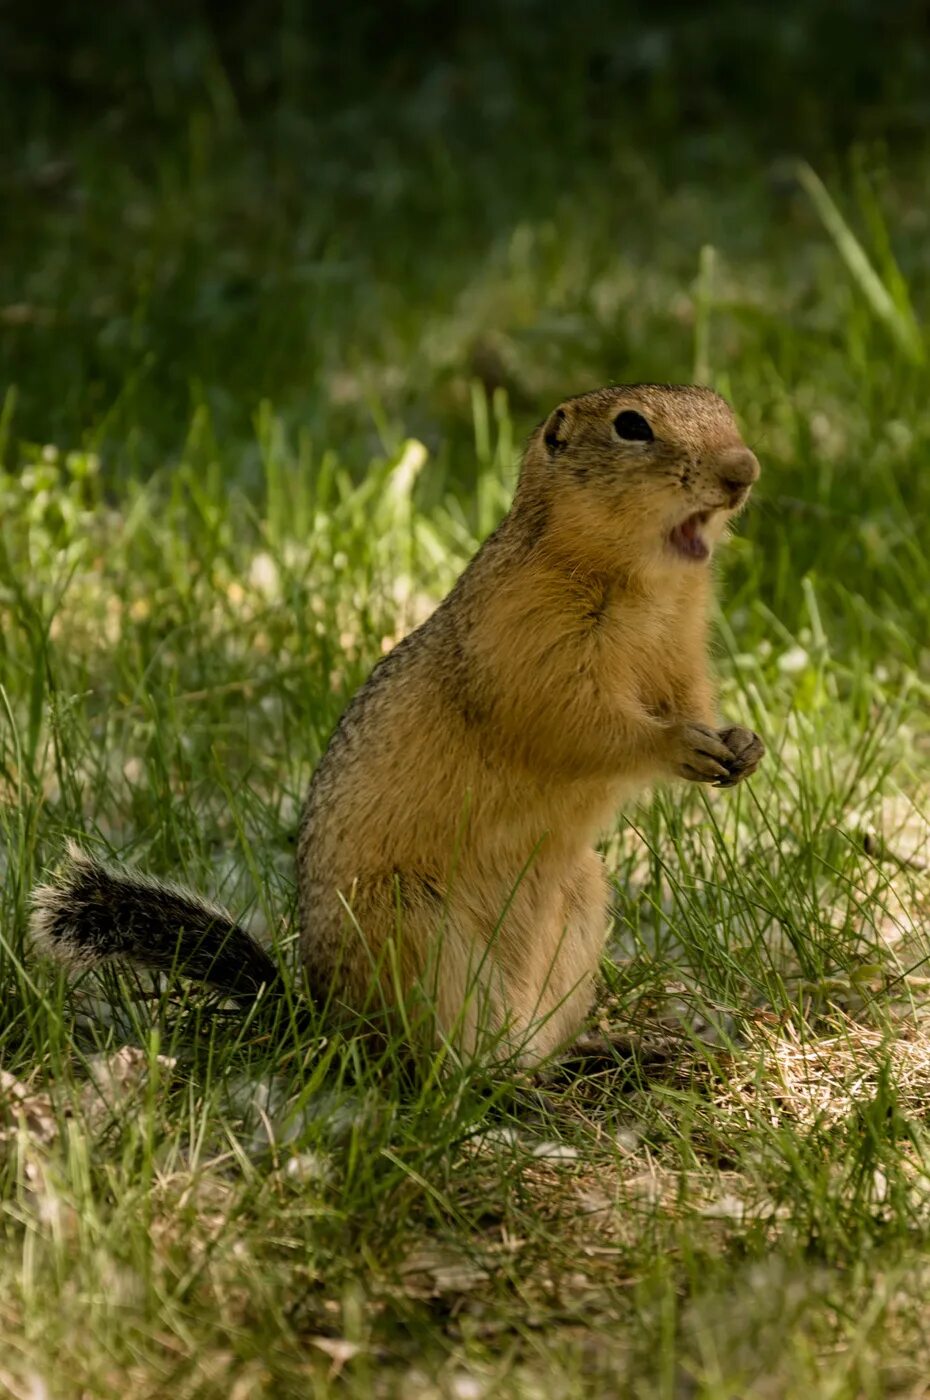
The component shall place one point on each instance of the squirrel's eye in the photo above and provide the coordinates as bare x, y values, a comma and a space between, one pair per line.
632, 427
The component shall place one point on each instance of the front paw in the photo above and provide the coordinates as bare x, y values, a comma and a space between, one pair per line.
747, 751
701, 755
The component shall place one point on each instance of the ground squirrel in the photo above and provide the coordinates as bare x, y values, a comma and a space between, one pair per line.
447, 843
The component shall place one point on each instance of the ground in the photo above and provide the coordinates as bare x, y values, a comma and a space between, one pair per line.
266, 375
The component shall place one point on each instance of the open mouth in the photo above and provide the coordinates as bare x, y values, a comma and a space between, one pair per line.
687, 540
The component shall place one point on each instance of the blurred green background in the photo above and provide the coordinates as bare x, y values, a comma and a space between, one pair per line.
357, 214
325, 204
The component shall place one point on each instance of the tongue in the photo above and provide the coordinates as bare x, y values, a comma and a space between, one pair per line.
687, 539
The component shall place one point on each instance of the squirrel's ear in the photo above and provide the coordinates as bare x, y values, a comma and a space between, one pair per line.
557, 432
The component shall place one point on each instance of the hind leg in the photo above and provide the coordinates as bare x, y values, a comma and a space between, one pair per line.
395, 954
544, 958
397, 951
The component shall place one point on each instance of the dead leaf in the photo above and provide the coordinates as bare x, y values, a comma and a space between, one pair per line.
338, 1349
437, 1269
21, 1106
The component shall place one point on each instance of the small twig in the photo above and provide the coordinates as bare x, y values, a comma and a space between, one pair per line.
878, 851
249, 683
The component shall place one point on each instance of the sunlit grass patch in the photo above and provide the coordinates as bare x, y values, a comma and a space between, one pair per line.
274, 1210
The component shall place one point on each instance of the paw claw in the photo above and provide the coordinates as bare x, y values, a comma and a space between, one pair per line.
719, 757
747, 751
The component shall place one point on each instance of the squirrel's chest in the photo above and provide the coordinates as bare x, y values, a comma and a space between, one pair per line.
651, 659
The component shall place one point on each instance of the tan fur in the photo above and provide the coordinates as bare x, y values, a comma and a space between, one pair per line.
448, 835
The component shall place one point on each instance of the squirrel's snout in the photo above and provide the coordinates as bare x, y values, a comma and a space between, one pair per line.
737, 468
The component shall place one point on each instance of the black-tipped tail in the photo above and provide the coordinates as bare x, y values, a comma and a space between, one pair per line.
95, 913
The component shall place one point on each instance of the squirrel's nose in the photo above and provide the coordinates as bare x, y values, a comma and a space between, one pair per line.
737, 468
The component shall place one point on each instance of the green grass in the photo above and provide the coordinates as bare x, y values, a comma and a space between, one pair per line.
215, 514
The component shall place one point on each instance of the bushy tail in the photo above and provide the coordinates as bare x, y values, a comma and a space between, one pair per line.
95, 913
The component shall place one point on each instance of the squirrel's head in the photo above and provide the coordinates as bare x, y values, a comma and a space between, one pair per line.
641, 475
